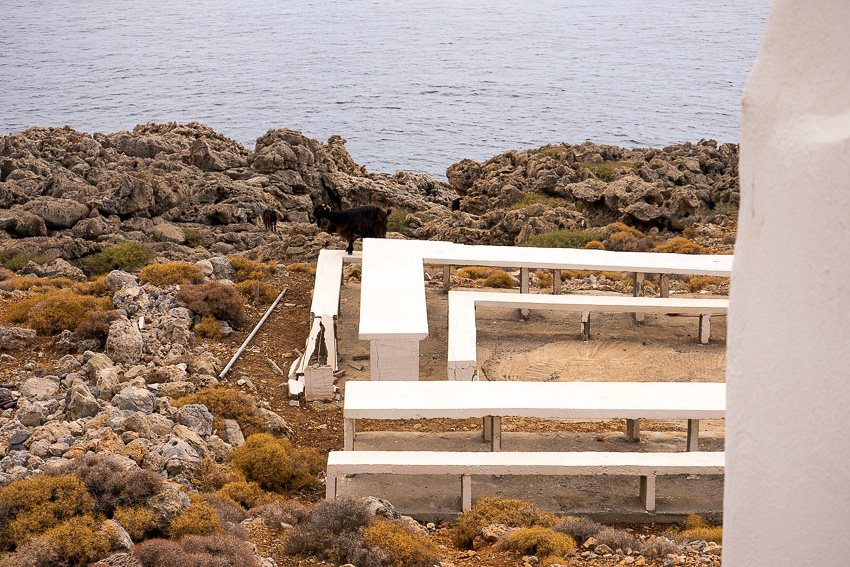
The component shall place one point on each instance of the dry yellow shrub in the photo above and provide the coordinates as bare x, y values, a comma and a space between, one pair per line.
171, 273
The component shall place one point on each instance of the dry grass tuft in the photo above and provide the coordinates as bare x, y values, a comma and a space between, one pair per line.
275, 465
404, 548
171, 273
511, 512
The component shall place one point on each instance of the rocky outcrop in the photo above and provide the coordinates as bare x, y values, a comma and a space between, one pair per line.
182, 188
645, 187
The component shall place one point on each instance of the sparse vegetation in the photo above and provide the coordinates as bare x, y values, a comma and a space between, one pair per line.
617, 539
171, 273
216, 299
606, 170
276, 514
110, 484
127, 256
275, 465
15, 261
333, 531
475, 272
301, 268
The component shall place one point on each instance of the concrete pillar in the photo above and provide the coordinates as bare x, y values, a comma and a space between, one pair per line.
789, 318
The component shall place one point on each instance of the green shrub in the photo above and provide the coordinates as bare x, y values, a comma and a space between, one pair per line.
55, 311
247, 494
397, 221
194, 238
225, 403
486, 511
39, 503
245, 269
216, 299
138, 521
127, 256
563, 239
171, 273
275, 465
500, 279
680, 245
299, 267
250, 288
405, 549
16, 261
539, 541
78, 541
199, 519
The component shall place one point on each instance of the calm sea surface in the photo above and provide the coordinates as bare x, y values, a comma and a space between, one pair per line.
411, 84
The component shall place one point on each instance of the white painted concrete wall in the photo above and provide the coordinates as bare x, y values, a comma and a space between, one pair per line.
787, 499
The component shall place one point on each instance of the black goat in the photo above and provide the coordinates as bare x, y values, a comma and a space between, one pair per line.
366, 222
270, 220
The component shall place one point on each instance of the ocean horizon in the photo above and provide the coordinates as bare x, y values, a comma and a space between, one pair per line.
410, 85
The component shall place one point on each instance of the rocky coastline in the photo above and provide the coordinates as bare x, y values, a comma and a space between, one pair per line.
191, 194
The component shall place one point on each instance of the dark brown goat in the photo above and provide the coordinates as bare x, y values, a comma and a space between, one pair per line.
270, 220
366, 222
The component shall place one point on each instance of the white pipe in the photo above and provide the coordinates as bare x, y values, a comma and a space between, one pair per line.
251, 336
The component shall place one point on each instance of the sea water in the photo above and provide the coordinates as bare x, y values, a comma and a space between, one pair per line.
411, 84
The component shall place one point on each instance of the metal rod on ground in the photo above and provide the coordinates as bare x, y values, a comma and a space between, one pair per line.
251, 336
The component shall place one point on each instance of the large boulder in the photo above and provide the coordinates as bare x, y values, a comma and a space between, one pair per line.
57, 213
124, 343
22, 224
38, 387
133, 398
79, 402
196, 417
12, 338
